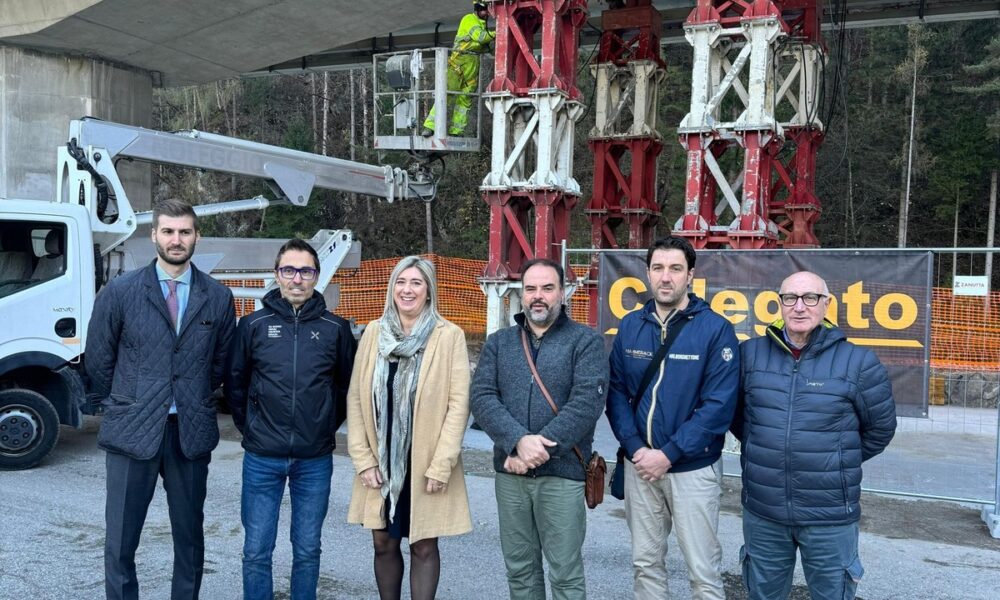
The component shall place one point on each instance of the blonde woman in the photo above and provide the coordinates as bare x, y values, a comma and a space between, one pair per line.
407, 410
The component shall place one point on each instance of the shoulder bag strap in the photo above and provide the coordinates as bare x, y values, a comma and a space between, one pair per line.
541, 386
673, 330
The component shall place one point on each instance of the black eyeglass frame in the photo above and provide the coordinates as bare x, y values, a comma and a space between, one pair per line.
813, 300
306, 273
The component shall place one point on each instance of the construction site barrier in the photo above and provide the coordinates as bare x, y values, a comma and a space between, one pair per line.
362, 291
460, 299
965, 330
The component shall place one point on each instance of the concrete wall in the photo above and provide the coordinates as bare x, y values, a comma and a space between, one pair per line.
40, 93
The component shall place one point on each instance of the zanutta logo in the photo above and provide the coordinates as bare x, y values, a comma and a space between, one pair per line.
971, 285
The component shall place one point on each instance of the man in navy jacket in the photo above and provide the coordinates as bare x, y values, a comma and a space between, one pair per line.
289, 369
673, 434
156, 348
813, 407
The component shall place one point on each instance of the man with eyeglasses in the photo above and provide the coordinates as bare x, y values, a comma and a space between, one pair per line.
289, 369
813, 407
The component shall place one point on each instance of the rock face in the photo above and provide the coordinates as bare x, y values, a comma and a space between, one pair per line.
972, 390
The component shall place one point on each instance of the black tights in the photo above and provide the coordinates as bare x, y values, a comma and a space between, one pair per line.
425, 567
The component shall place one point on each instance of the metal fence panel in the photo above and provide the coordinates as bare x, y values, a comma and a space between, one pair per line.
946, 440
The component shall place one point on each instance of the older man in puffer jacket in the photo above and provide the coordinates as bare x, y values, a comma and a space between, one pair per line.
813, 407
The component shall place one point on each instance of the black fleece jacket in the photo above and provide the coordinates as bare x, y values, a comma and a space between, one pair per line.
287, 377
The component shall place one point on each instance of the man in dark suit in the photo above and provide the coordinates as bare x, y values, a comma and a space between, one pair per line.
156, 350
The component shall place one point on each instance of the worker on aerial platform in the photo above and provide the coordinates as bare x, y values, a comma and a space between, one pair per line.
472, 39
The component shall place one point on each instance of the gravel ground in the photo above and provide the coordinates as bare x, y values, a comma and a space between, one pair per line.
51, 542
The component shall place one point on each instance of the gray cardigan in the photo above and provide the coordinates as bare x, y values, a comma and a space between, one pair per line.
508, 405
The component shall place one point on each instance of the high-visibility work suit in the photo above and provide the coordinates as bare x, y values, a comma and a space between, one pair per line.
471, 40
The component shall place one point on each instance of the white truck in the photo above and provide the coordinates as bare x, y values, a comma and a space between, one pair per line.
55, 256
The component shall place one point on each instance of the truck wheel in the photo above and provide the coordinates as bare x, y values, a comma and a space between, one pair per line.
29, 428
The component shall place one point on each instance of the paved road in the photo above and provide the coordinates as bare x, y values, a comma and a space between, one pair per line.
52, 534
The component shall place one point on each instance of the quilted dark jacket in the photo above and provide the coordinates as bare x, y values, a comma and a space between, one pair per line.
288, 376
807, 425
140, 365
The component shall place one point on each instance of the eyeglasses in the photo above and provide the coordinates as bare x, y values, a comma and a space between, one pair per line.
807, 299
306, 273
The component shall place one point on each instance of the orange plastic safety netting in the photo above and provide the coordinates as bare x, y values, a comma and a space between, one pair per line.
460, 300
362, 291
965, 331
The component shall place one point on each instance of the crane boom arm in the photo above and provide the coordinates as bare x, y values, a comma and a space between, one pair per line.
88, 176
294, 171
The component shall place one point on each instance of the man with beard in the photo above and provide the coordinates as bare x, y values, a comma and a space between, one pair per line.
540, 478
286, 384
156, 349
674, 382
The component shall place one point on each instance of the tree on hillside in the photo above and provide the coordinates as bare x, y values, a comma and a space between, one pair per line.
988, 73
987, 90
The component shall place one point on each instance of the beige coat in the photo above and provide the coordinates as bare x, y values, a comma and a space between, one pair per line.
440, 415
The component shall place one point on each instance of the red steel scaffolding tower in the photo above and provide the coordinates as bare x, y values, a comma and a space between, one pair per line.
535, 103
624, 140
765, 59
756, 62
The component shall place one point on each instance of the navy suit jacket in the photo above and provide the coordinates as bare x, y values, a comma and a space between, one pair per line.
137, 362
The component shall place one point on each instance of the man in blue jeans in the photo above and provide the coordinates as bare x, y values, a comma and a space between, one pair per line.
813, 407
289, 368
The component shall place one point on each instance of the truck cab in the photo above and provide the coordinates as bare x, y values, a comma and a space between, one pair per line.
47, 286
54, 256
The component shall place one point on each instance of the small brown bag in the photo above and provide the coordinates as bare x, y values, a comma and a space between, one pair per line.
596, 468
593, 487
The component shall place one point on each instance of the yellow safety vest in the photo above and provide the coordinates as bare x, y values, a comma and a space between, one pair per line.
472, 36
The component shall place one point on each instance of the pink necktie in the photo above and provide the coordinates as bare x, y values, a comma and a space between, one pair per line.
172, 301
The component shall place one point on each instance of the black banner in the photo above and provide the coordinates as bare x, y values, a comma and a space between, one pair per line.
880, 299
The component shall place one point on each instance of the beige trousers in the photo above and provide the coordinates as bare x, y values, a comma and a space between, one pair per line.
688, 503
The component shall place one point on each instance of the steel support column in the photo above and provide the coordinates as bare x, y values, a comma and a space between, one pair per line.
624, 140
533, 96
765, 56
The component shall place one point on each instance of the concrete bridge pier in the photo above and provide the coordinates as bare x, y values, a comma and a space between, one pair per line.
40, 92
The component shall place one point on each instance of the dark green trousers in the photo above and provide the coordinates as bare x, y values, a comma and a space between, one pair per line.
543, 516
